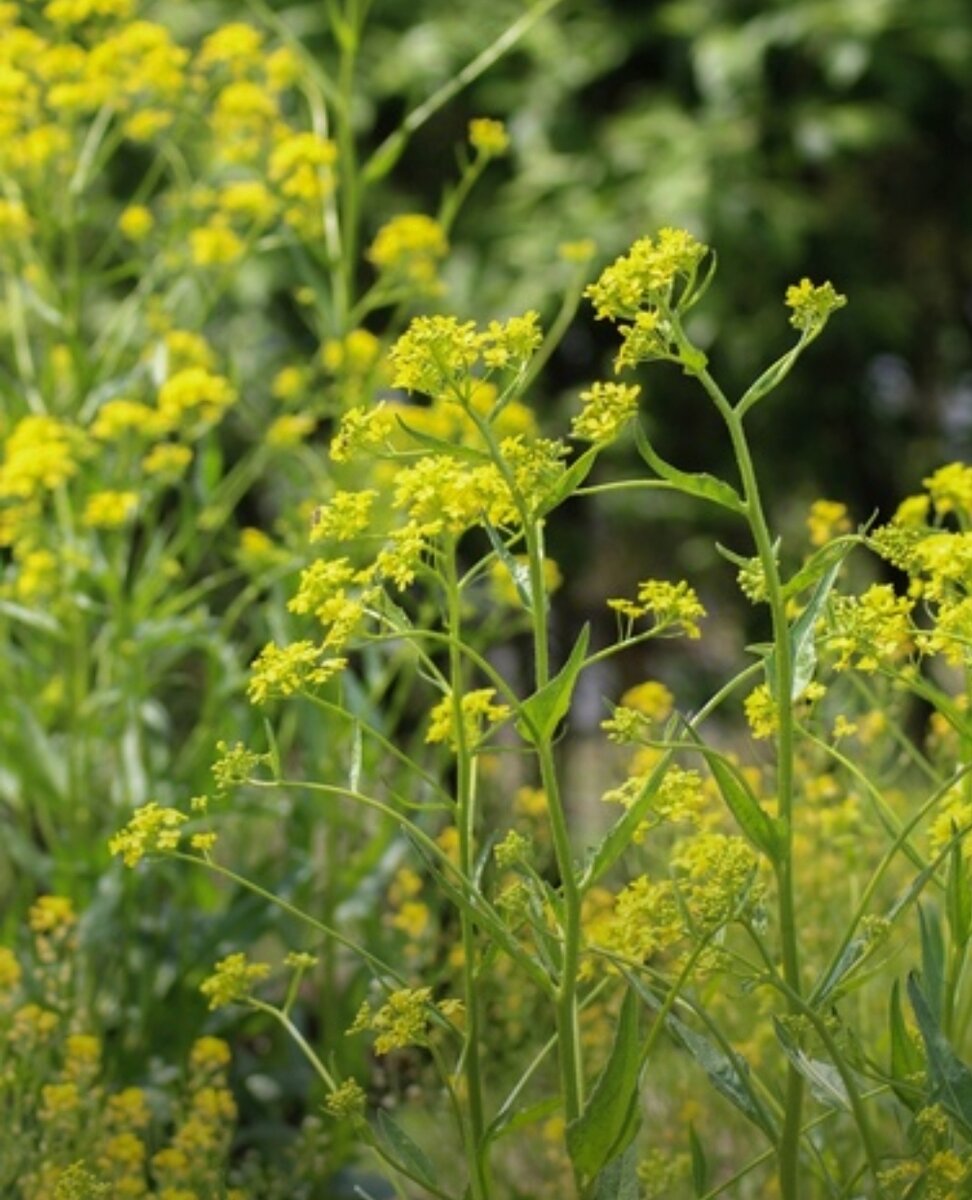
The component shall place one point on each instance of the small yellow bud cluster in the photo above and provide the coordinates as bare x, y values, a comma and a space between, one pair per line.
812, 305
478, 711
672, 605
232, 980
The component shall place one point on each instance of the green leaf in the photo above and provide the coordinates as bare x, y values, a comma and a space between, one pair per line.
761, 830
33, 617
823, 1077
441, 446
545, 709
618, 838
950, 1078
519, 571
405, 1149
803, 643
619, 1179
958, 895
385, 157
700, 1167
906, 1060
695, 483
727, 1071
611, 1117
932, 960
571, 479
818, 562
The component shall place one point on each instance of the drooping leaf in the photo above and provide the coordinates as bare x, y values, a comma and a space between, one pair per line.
950, 1077
519, 571
405, 1149
727, 1071
823, 1077
695, 483
611, 1115
545, 709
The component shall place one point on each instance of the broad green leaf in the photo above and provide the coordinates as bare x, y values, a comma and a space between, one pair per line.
571, 479
519, 571
619, 1179
545, 709
906, 1059
700, 1166
823, 1077
694, 483
950, 1078
932, 960
611, 1116
803, 643
405, 1149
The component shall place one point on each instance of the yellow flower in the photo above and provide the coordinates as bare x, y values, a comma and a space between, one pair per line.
51, 914
10, 971
477, 709
812, 305
410, 247
215, 245
136, 222
109, 509
151, 828
233, 979
608, 407
489, 137
195, 393
826, 519
290, 430
167, 458
209, 1055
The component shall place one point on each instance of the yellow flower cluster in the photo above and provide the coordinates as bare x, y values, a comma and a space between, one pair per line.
608, 407
812, 305
232, 980
673, 606
488, 137
437, 355
403, 1020
408, 249
152, 829
480, 714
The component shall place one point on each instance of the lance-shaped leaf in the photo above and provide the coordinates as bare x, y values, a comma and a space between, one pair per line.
571, 479
727, 1071
823, 1077
694, 483
950, 1078
958, 894
441, 446
764, 832
519, 571
405, 1149
619, 1179
906, 1059
932, 960
544, 710
610, 1119
803, 642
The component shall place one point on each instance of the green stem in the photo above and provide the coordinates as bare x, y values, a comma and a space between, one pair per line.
789, 1150
466, 821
